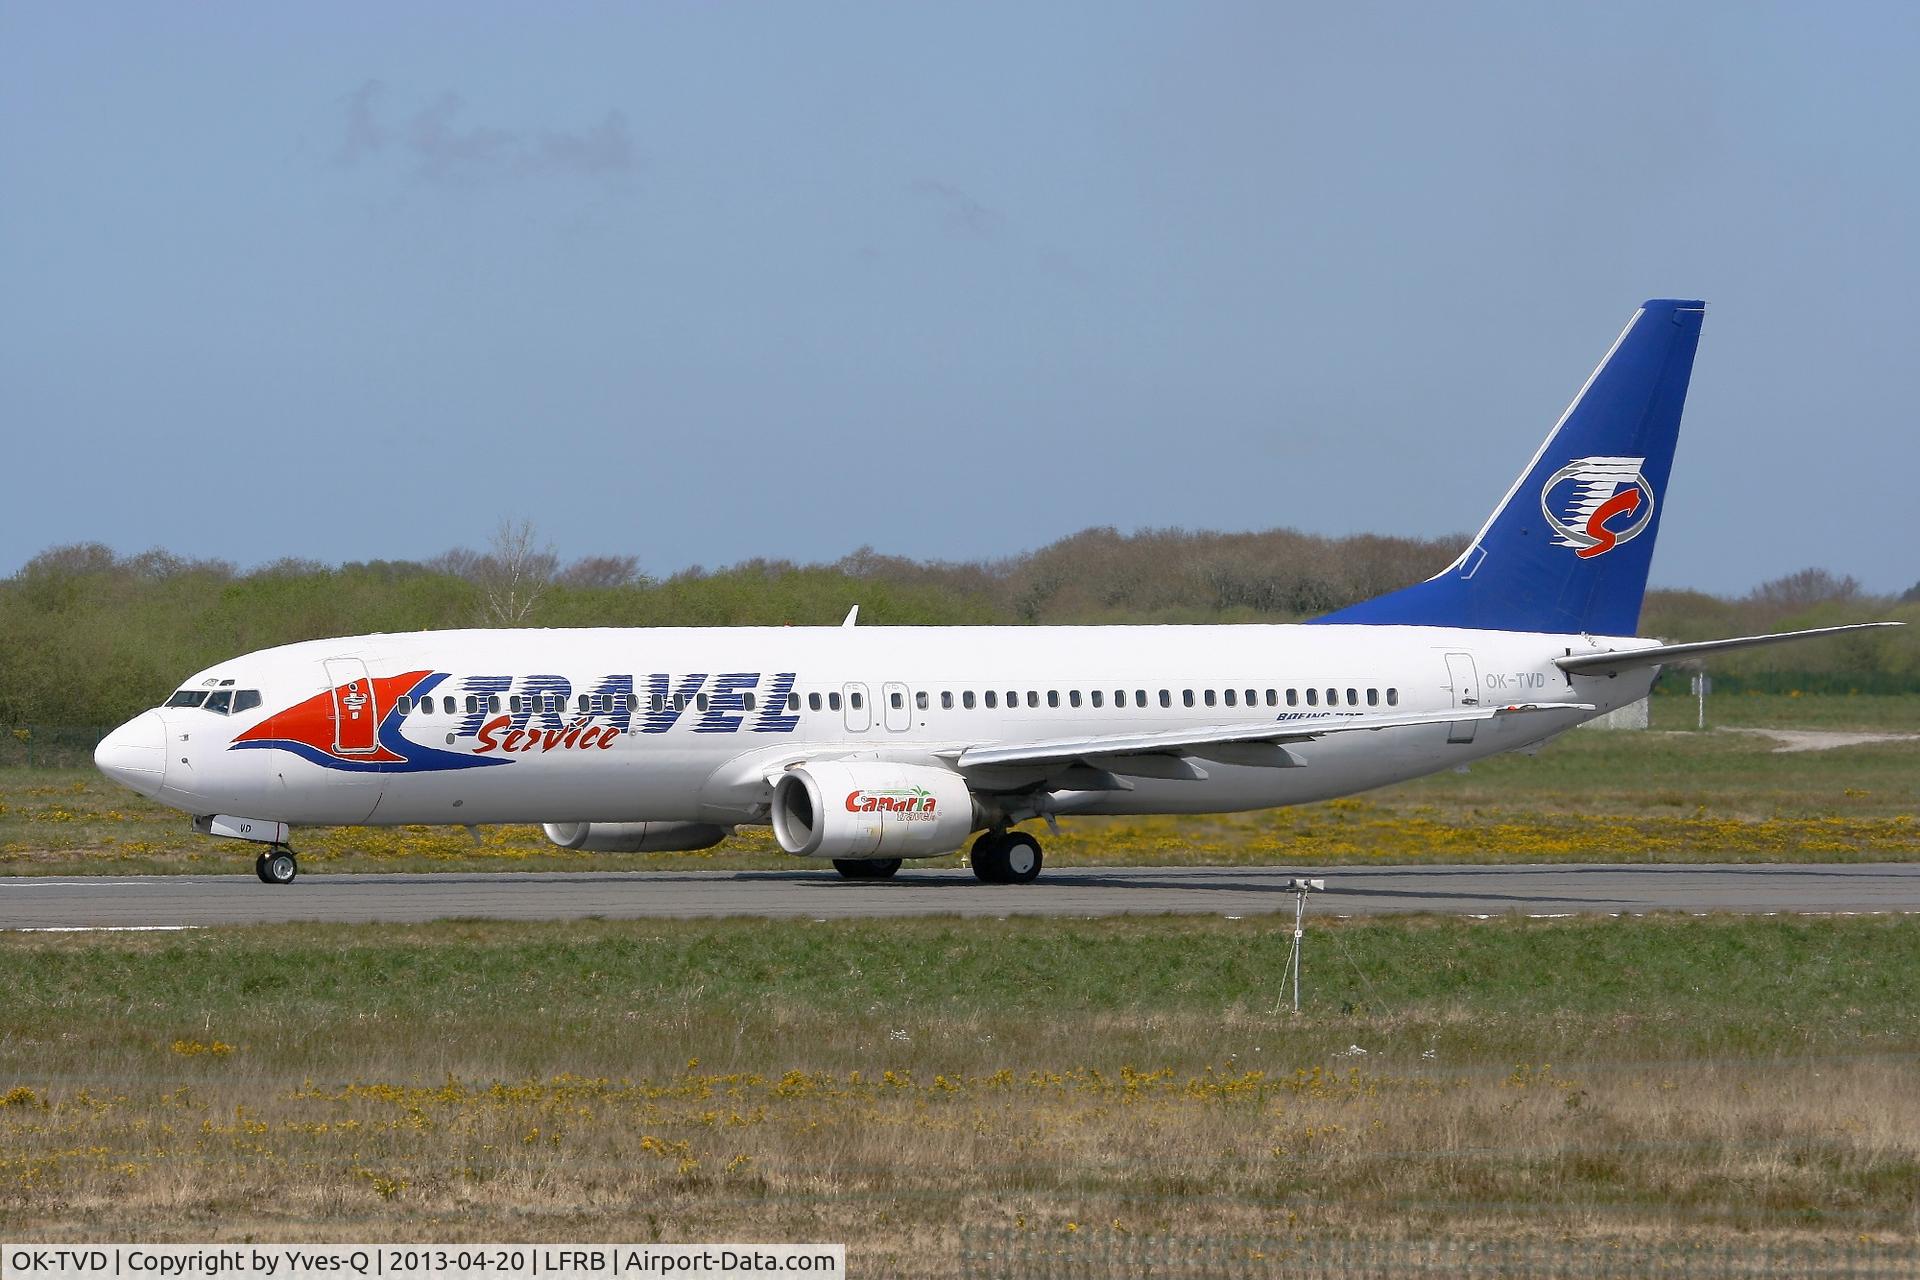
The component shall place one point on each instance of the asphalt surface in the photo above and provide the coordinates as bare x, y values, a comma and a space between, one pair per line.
172, 902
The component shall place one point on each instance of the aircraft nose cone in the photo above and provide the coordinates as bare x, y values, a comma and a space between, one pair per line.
135, 754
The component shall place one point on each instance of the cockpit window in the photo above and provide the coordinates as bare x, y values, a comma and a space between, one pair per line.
187, 698
220, 701
245, 700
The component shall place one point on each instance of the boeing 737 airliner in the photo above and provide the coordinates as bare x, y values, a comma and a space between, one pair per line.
869, 745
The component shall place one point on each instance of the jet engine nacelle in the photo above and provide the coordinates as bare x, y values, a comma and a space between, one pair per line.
870, 809
635, 837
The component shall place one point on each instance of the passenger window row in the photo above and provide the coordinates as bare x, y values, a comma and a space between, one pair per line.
964, 699
1097, 698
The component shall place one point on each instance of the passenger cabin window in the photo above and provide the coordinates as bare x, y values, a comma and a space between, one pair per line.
1273, 697
1096, 696
946, 699
1033, 697
1333, 697
833, 702
897, 701
1229, 695
1166, 698
1293, 697
679, 702
473, 704
404, 705
1393, 697
747, 701
856, 700
993, 700
813, 702
966, 699
246, 700
1053, 697
1373, 697
1186, 697
187, 698
1353, 697
1073, 697
920, 699
1140, 698
1313, 697
493, 703
657, 702
700, 701
1209, 699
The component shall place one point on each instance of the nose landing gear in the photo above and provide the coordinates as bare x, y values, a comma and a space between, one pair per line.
276, 866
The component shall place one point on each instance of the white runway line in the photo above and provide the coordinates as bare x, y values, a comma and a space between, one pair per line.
101, 928
74, 882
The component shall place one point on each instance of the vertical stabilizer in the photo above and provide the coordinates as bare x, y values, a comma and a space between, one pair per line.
1568, 549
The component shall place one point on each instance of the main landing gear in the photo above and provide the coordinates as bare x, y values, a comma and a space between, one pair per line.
276, 866
1006, 857
866, 868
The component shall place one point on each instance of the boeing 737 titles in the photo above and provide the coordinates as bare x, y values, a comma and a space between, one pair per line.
867, 746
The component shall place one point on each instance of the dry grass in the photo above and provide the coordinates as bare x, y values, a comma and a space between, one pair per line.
890, 1084
872, 1159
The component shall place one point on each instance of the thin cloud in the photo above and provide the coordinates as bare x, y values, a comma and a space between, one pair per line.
604, 148
443, 150
364, 136
441, 143
960, 209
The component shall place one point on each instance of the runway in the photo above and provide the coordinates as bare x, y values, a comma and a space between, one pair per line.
174, 902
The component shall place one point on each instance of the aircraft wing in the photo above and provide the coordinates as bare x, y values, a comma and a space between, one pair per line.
1612, 664
1159, 754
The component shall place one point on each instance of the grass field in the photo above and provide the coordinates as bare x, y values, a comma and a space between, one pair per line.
889, 1084
1667, 795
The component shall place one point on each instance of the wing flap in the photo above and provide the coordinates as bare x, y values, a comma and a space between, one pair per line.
1147, 754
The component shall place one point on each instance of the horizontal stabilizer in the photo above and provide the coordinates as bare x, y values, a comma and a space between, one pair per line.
1612, 664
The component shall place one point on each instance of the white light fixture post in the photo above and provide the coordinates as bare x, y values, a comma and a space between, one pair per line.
1299, 887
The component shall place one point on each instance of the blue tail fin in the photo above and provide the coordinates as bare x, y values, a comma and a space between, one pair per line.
1568, 548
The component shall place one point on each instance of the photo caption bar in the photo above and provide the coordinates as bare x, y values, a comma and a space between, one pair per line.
415, 1261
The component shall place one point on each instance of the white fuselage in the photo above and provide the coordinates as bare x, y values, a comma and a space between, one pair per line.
692, 724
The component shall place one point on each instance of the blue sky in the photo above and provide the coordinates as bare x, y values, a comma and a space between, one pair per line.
700, 283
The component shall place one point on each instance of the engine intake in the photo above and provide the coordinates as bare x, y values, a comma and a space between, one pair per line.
832, 809
635, 837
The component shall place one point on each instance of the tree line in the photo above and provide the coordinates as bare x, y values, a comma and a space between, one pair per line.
89, 636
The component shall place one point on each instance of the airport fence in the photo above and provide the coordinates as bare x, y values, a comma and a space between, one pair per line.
1007, 1254
50, 746
1678, 681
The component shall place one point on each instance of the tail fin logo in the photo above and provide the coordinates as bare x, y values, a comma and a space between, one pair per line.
1595, 504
